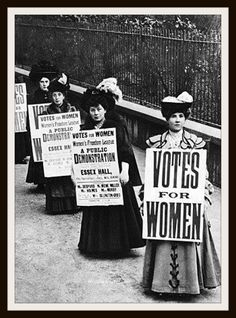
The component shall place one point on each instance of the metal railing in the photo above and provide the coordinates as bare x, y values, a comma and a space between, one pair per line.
148, 63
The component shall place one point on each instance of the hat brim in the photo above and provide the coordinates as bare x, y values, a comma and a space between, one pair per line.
169, 109
58, 87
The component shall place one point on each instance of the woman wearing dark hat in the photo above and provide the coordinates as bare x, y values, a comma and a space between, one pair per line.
173, 266
60, 191
41, 74
58, 89
113, 95
109, 230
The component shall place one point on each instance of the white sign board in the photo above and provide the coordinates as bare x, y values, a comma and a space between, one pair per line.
96, 168
34, 110
174, 194
56, 141
20, 107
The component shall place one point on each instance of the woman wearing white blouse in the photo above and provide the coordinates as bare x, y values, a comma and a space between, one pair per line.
173, 266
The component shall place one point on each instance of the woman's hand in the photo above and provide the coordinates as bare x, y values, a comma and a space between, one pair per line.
73, 176
124, 175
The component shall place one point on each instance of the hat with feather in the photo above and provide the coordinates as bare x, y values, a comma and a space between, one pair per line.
107, 93
109, 85
60, 84
180, 104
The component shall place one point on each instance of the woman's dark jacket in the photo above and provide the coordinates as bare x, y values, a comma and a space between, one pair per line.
39, 97
124, 147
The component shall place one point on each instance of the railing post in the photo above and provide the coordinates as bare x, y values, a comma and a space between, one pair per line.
141, 64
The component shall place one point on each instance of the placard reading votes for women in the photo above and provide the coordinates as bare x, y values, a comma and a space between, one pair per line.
56, 132
174, 194
96, 169
20, 107
34, 110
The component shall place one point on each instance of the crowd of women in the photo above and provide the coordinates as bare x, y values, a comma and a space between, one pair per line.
169, 266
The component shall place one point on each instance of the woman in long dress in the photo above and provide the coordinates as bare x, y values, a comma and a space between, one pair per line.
41, 73
173, 266
60, 191
108, 230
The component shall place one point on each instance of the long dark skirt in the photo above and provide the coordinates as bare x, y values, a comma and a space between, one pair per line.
112, 229
60, 196
21, 150
35, 172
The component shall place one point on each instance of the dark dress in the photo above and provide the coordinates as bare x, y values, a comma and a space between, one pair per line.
35, 170
60, 191
39, 97
21, 147
182, 267
113, 229
133, 172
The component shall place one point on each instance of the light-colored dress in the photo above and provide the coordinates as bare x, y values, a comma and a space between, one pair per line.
181, 267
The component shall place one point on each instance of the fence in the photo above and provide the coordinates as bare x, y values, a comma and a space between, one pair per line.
149, 64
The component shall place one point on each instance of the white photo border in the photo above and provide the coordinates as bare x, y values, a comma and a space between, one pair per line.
12, 306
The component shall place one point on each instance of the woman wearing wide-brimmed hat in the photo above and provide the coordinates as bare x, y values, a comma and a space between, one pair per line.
114, 97
60, 191
111, 230
172, 266
41, 74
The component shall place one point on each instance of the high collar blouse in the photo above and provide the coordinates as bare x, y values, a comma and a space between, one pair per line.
184, 140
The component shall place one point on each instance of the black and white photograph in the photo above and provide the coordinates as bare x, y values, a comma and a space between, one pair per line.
117, 159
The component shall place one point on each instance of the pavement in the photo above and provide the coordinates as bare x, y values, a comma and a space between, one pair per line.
49, 269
